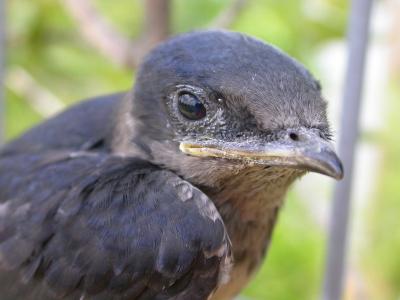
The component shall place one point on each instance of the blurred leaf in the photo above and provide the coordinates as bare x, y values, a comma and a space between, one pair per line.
293, 267
19, 116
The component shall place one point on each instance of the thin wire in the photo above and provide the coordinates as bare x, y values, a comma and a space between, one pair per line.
2, 68
358, 32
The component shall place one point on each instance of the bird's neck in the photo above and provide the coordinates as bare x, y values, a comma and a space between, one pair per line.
249, 203
253, 192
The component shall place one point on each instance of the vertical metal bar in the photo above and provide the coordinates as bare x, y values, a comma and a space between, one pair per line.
2, 71
349, 127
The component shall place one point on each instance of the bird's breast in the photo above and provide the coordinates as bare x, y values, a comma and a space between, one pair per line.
249, 205
250, 241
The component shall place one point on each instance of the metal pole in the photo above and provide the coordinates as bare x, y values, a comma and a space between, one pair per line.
349, 128
2, 55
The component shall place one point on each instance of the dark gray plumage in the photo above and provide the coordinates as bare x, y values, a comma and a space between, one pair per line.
150, 194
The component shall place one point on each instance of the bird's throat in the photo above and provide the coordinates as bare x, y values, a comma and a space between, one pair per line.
253, 192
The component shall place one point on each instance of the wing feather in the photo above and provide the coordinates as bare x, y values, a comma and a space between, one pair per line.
92, 225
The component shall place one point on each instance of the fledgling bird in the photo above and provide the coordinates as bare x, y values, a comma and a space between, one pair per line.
170, 191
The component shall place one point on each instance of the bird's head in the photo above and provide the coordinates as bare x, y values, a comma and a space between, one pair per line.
211, 104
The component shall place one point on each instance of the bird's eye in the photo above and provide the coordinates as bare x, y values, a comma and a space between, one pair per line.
191, 107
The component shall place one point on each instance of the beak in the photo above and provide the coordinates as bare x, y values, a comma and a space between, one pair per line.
301, 149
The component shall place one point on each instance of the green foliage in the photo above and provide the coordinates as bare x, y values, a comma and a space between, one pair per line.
19, 116
128, 13
298, 27
190, 15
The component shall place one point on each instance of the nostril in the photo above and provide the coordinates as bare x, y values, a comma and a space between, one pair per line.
294, 136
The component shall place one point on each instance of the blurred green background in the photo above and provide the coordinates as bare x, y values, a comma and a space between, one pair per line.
50, 65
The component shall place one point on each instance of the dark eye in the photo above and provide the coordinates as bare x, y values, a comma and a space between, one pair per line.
191, 107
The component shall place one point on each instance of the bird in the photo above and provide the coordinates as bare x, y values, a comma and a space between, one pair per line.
170, 190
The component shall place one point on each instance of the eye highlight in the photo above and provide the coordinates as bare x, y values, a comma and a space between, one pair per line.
191, 107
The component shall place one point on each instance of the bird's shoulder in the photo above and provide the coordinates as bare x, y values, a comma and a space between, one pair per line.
96, 225
82, 126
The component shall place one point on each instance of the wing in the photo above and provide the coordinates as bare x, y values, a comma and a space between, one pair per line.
84, 225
